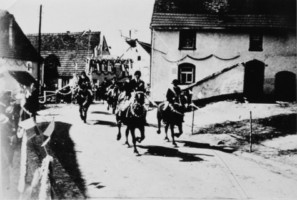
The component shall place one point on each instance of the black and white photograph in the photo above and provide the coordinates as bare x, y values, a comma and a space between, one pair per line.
148, 99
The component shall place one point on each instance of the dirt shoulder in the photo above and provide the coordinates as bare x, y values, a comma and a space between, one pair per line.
274, 132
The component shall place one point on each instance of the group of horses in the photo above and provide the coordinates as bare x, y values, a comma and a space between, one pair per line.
131, 111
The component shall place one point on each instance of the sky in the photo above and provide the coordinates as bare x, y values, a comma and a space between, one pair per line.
111, 17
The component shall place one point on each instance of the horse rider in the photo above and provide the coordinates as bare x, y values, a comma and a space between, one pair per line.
113, 85
84, 100
138, 85
84, 80
173, 95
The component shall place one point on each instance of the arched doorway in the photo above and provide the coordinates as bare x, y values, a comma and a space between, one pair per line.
254, 80
285, 86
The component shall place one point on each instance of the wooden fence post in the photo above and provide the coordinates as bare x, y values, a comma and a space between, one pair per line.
251, 131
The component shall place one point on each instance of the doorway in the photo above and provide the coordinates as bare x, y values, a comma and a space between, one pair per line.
285, 86
254, 80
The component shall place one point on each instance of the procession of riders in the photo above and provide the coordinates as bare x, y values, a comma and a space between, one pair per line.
127, 98
129, 101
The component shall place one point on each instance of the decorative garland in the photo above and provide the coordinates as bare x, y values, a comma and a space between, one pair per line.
200, 59
64, 94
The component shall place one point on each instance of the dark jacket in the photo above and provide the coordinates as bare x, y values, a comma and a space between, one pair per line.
173, 94
137, 85
32, 102
84, 82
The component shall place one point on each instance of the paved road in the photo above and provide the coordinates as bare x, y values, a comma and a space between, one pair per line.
194, 170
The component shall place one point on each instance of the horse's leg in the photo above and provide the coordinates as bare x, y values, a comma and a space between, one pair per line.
81, 112
172, 135
142, 133
159, 122
132, 129
180, 128
127, 137
113, 108
166, 131
119, 123
85, 111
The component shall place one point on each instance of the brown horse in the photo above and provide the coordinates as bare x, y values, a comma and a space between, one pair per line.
134, 118
172, 115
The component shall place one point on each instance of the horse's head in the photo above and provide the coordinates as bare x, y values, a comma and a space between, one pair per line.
139, 97
138, 110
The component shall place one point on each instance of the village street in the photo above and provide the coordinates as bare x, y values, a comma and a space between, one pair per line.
194, 170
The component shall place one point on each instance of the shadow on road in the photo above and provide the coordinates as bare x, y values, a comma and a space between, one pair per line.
170, 152
191, 144
63, 148
102, 122
101, 112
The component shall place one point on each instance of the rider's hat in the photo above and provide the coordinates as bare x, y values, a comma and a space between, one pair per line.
175, 82
137, 73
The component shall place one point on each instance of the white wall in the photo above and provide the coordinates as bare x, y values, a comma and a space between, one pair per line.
279, 53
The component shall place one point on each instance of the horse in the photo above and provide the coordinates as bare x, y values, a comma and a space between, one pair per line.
84, 99
112, 98
172, 115
133, 116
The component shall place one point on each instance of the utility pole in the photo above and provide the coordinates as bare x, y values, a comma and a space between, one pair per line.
39, 50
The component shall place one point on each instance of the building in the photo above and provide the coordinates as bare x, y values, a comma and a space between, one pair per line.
65, 54
18, 58
140, 53
194, 39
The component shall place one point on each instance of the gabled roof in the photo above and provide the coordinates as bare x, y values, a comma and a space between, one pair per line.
20, 47
72, 49
66, 41
210, 14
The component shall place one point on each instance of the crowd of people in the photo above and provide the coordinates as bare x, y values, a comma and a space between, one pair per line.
15, 106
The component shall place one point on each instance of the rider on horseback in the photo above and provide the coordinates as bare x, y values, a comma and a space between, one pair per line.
137, 86
173, 96
84, 99
84, 80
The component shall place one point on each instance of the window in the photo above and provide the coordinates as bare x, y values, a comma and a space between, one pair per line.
256, 42
187, 40
186, 73
65, 82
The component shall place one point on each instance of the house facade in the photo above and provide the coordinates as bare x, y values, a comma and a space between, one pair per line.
17, 55
139, 52
191, 40
65, 55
